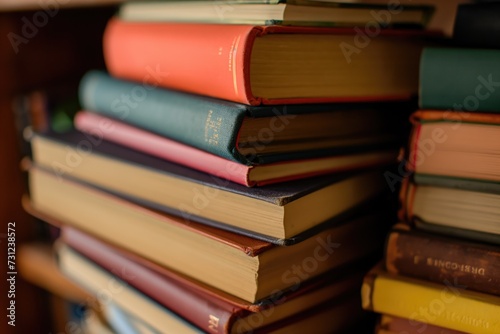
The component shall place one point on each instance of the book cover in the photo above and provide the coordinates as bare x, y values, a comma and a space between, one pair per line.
446, 305
223, 128
461, 145
478, 25
458, 183
455, 232
203, 252
427, 256
256, 175
460, 79
276, 212
395, 325
234, 62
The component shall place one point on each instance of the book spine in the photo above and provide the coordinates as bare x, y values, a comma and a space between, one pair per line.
207, 124
460, 79
440, 260
478, 25
161, 147
440, 305
195, 308
205, 59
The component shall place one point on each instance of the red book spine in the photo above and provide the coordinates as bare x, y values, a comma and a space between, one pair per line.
208, 60
209, 314
162, 147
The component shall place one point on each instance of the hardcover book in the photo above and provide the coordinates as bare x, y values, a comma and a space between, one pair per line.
334, 315
290, 12
250, 135
261, 174
252, 269
278, 212
462, 145
478, 25
242, 63
199, 303
460, 79
473, 214
437, 258
444, 305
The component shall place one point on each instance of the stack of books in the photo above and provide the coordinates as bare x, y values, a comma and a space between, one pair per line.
442, 268
229, 178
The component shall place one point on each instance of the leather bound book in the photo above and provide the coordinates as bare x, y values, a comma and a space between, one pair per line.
441, 259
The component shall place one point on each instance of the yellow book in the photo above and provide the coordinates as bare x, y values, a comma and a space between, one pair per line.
447, 305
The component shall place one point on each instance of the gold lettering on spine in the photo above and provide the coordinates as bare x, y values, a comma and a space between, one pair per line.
212, 128
454, 266
213, 323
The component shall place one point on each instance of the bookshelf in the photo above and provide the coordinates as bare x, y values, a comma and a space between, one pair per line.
61, 50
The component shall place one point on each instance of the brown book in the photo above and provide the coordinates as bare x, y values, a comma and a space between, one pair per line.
440, 259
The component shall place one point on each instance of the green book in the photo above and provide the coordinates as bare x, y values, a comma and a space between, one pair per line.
248, 134
460, 79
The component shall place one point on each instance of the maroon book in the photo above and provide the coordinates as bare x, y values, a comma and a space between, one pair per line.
436, 258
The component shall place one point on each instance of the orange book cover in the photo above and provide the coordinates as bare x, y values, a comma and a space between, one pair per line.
215, 59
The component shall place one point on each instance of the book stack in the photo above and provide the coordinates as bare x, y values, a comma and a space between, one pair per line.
442, 268
229, 178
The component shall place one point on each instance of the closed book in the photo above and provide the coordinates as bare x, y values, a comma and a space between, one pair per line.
245, 267
262, 174
461, 145
478, 25
278, 213
460, 79
205, 307
414, 253
328, 317
303, 12
447, 305
473, 214
242, 63
250, 135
